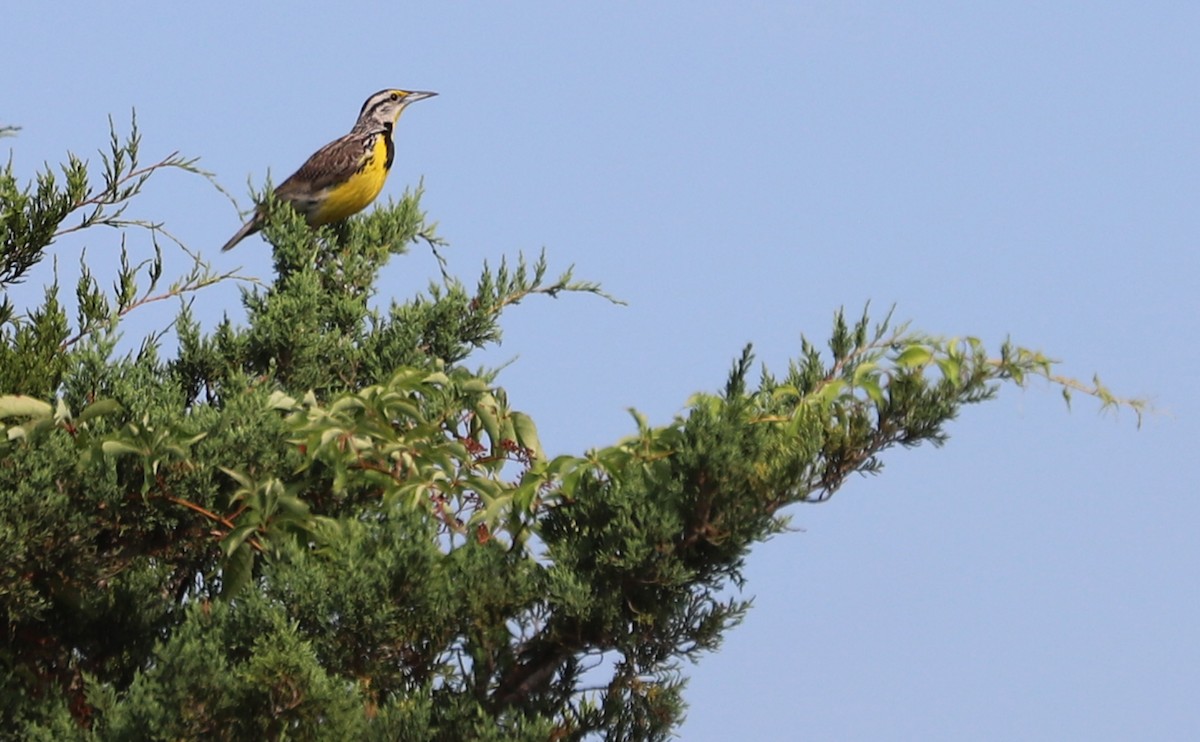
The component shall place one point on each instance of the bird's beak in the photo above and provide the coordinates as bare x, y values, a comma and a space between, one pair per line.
417, 95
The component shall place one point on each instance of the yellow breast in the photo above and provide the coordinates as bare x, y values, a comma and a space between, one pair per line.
355, 194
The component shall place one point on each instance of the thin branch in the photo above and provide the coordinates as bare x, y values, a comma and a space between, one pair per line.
187, 288
111, 195
211, 516
434, 242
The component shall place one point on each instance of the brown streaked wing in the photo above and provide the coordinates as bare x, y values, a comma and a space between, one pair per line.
333, 163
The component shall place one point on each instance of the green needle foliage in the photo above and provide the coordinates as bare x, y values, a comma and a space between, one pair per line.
319, 524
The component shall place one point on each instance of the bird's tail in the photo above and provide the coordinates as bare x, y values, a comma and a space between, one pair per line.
247, 229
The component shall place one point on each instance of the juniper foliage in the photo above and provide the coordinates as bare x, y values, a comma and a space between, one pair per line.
319, 524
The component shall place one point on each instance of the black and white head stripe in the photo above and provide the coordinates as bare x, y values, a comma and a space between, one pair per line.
386, 104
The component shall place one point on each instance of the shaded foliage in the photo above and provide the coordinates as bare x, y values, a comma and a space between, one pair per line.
318, 524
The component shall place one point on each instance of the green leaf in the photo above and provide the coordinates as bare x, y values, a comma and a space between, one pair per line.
914, 356
486, 411
950, 369
18, 405
873, 390
280, 401
236, 538
99, 408
828, 393
61, 412
475, 385
526, 434
292, 506
117, 448
237, 571
238, 477
865, 370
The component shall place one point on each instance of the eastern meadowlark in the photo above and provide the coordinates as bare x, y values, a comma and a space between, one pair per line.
343, 177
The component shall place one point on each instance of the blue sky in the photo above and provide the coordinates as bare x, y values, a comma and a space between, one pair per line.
737, 172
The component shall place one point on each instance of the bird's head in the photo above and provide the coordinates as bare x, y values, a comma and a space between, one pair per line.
382, 109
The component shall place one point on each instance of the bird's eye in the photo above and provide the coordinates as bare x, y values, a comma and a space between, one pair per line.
395, 96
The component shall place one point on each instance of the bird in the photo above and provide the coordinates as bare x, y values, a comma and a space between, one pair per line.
343, 177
